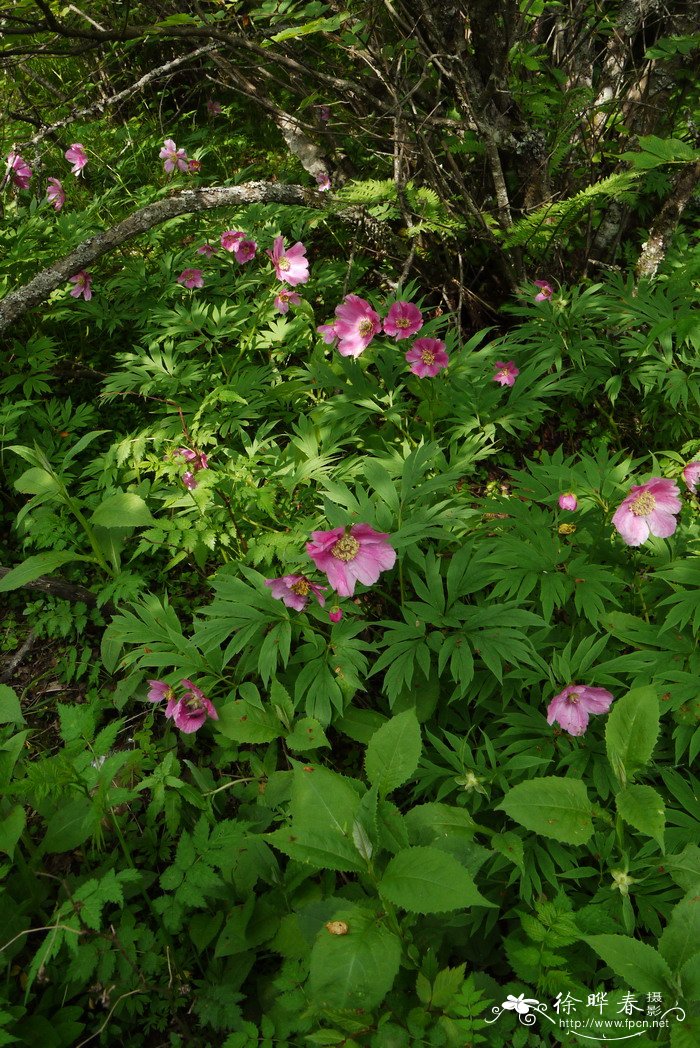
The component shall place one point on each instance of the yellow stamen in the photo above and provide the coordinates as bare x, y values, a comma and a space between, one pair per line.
346, 549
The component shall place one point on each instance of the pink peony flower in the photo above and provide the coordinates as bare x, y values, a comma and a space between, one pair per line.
291, 266
572, 707
691, 475
323, 181
83, 285
427, 357
403, 320
568, 501
350, 555
194, 167
335, 614
546, 292
76, 156
191, 711
214, 108
18, 171
197, 458
159, 690
356, 325
649, 509
55, 194
506, 374
207, 250
294, 590
173, 157
191, 278
327, 333
230, 238
244, 250
284, 299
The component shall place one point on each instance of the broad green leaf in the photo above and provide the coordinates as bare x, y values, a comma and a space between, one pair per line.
690, 978
33, 567
426, 822
322, 800
638, 964
427, 880
680, 939
354, 960
393, 752
307, 734
360, 725
685, 867
631, 732
643, 808
70, 826
327, 851
510, 845
243, 721
11, 827
10, 709
123, 510
37, 481
552, 806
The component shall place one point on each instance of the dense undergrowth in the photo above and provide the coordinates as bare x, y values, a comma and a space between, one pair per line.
461, 779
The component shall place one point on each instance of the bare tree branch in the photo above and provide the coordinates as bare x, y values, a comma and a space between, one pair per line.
654, 249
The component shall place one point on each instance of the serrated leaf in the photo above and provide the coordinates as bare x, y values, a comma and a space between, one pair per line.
11, 829
10, 709
244, 721
393, 752
307, 734
637, 964
126, 509
680, 939
322, 800
552, 806
427, 880
70, 826
33, 567
643, 808
328, 851
631, 732
355, 969
685, 867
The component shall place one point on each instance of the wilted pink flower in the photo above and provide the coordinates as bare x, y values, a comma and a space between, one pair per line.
83, 285
546, 292
244, 250
327, 333
324, 113
284, 299
207, 250
214, 108
191, 278
350, 555
55, 194
356, 325
568, 501
173, 157
189, 480
18, 170
76, 156
294, 590
291, 265
506, 374
403, 320
572, 707
159, 690
194, 166
648, 510
427, 357
335, 614
190, 712
691, 475
324, 182
230, 238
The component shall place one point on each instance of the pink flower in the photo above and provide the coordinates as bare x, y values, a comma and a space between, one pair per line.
76, 156
572, 707
197, 458
230, 238
55, 194
191, 278
284, 299
207, 250
546, 292
83, 285
191, 711
691, 475
189, 480
350, 555
194, 167
294, 590
649, 509
506, 374
356, 325
323, 181
244, 251
214, 108
324, 113
403, 320
291, 266
173, 157
327, 333
427, 357
18, 170
159, 690
568, 501
335, 614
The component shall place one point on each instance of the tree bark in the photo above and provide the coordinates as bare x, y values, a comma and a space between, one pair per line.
655, 247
